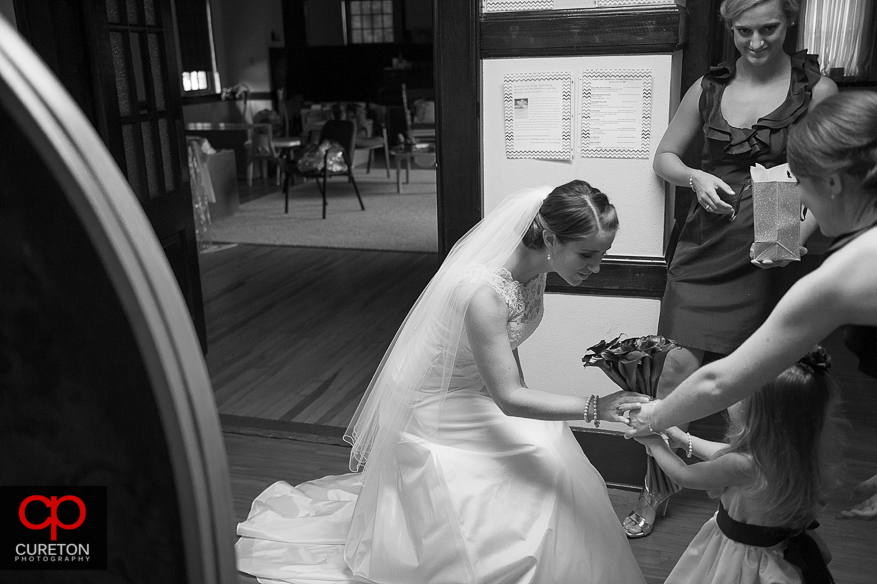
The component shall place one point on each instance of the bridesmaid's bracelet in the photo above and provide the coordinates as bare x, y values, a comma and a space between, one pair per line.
690, 447
649, 422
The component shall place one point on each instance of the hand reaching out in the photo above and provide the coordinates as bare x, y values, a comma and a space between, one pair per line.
611, 408
867, 509
639, 418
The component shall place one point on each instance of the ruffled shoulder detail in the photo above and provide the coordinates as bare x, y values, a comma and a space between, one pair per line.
804, 76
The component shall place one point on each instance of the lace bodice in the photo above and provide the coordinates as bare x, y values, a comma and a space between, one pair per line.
524, 300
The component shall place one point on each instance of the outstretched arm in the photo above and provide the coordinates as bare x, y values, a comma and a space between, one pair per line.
723, 471
486, 325
700, 448
841, 291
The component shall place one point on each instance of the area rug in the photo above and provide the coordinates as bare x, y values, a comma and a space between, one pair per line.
391, 221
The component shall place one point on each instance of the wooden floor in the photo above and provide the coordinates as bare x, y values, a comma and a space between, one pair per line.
295, 334
282, 320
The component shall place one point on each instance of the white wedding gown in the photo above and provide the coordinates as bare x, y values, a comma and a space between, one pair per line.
484, 498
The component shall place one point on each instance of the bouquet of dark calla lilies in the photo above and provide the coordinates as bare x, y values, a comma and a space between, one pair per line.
635, 364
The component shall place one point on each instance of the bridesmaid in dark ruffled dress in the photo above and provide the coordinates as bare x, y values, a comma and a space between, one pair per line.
833, 154
716, 296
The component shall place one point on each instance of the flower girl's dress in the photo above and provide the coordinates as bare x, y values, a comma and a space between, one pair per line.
728, 551
480, 498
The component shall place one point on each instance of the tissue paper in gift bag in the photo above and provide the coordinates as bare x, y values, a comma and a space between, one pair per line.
777, 210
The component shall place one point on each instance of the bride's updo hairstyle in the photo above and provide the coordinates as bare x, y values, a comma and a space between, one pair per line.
572, 211
839, 135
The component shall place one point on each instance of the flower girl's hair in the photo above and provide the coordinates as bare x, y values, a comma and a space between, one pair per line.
791, 428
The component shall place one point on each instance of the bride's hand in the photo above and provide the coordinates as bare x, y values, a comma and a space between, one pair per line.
610, 408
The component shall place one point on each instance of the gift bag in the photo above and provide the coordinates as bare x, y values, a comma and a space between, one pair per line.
777, 214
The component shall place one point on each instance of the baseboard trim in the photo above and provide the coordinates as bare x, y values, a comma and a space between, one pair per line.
621, 462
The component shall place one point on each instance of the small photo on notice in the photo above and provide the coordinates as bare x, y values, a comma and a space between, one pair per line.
522, 108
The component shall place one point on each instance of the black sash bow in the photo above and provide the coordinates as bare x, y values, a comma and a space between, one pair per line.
802, 550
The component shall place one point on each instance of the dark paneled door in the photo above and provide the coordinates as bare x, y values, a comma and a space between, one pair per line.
126, 80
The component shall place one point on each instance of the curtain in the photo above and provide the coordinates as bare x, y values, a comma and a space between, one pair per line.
841, 32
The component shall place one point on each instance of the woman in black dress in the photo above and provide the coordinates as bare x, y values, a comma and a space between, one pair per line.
716, 296
833, 154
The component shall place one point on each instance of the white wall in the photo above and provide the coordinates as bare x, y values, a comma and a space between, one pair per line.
243, 32
551, 358
633, 187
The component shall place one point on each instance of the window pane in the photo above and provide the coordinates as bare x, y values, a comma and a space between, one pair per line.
149, 5
357, 36
155, 66
113, 12
388, 6
133, 17
122, 85
355, 7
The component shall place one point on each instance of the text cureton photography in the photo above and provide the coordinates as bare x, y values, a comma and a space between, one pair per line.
53, 528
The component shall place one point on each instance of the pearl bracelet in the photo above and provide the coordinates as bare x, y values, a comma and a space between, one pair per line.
590, 413
690, 447
691, 183
587, 413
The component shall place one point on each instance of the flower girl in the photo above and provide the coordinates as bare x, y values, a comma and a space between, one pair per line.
771, 479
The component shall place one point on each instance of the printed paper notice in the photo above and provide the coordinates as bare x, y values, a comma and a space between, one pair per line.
616, 113
516, 5
538, 115
612, 3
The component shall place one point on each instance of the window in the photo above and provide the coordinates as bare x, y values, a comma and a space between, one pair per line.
841, 32
370, 21
197, 54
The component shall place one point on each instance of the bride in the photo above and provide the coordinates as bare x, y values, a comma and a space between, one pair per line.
464, 474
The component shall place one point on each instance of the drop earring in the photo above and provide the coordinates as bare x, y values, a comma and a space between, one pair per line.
549, 255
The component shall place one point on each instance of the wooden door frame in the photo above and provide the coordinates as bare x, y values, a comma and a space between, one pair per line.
457, 56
